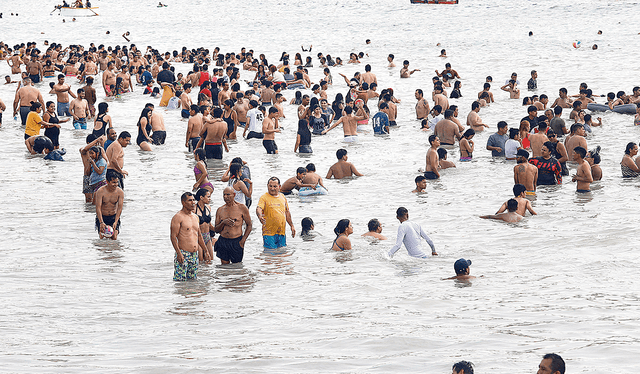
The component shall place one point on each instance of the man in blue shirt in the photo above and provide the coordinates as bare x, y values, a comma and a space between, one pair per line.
496, 141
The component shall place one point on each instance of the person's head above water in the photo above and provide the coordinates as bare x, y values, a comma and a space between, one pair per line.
461, 267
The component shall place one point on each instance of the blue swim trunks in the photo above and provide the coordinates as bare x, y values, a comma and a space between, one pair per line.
80, 123
189, 267
63, 109
274, 241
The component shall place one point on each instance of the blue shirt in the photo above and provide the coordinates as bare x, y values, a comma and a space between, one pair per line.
497, 140
96, 177
146, 77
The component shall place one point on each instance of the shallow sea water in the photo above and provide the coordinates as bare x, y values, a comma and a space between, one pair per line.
559, 282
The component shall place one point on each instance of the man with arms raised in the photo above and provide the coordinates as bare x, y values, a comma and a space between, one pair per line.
185, 238
409, 234
109, 200
342, 168
62, 92
349, 124
273, 213
230, 244
24, 96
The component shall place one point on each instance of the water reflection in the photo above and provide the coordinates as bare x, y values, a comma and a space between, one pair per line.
192, 293
234, 278
276, 261
344, 256
109, 250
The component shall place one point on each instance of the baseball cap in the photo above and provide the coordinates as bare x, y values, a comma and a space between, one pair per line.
461, 264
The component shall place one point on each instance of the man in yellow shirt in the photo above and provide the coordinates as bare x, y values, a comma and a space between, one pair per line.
34, 121
273, 213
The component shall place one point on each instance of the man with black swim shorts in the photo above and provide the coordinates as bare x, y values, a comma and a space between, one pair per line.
270, 127
109, 201
431, 170
212, 135
229, 217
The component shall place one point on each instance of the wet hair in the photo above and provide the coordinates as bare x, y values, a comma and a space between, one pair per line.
185, 195
577, 104
551, 146
587, 117
301, 170
629, 147
532, 108
235, 169
502, 124
475, 105
611, 95
557, 363
448, 113
348, 110
513, 132
581, 151
373, 224
310, 167
201, 193
102, 108
49, 103
340, 153
563, 90
575, 127
432, 138
124, 135
487, 85
306, 223
276, 179
542, 126
111, 175
342, 226
35, 105
420, 178
441, 153
401, 212
512, 205
420, 92
518, 189
202, 155
595, 154
437, 108
463, 365
468, 133
557, 110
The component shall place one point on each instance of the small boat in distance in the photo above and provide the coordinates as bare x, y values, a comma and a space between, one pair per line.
66, 11
434, 1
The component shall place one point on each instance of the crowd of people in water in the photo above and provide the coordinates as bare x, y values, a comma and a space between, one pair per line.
214, 106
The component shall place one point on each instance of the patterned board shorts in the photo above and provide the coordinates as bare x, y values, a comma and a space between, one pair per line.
189, 267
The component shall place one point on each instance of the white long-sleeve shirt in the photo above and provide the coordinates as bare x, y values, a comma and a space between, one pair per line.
410, 234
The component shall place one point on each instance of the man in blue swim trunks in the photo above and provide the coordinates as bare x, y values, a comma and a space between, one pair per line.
273, 213
79, 109
185, 101
62, 92
185, 238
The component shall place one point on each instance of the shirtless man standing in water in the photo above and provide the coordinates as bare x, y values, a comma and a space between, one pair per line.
342, 168
185, 238
431, 170
229, 218
405, 72
524, 173
24, 96
79, 109
349, 124
62, 92
215, 130
109, 201
583, 175
108, 77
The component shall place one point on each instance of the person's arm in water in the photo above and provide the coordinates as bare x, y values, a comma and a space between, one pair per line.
355, 171
426, 237
399, 240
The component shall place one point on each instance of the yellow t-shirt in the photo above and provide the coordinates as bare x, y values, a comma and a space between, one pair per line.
274, 210
32, 126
